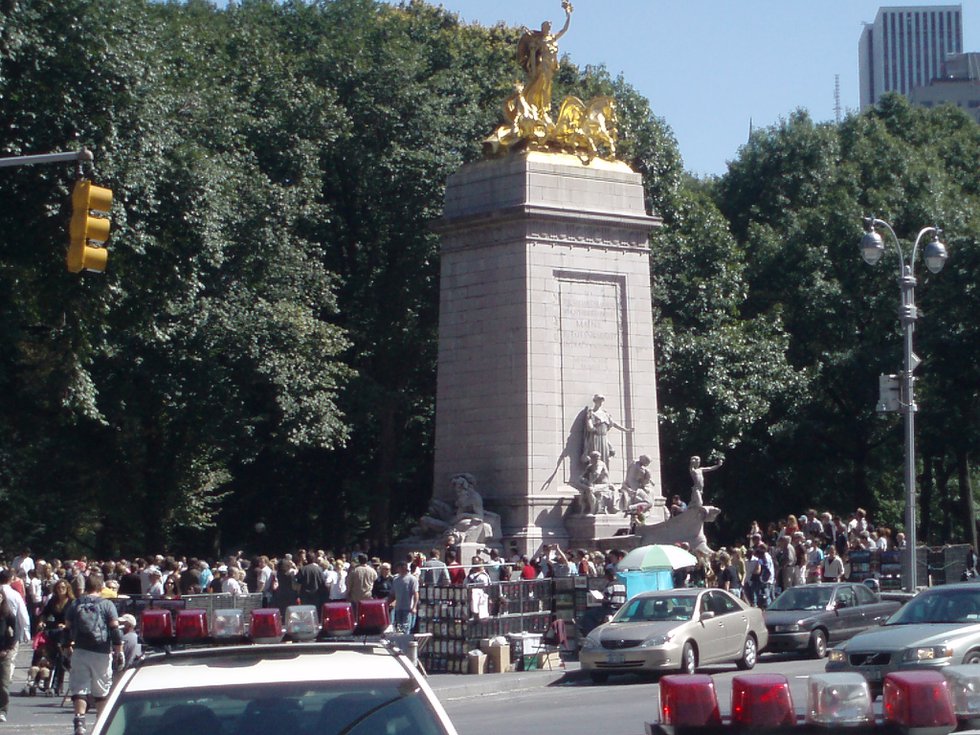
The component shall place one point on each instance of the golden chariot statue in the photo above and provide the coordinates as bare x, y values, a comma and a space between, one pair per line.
587, 130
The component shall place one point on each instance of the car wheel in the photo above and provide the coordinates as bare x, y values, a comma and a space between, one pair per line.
599, 677
750, 652
973, 657
818, 644
689, 659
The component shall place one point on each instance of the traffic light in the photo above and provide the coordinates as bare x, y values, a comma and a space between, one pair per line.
85, 228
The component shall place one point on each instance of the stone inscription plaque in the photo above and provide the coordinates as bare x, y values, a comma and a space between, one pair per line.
593, 354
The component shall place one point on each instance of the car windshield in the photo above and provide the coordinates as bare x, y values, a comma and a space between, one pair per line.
940, 606
664, 607
803, 598
329, 708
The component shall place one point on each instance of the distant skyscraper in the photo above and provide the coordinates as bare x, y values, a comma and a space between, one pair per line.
906, 47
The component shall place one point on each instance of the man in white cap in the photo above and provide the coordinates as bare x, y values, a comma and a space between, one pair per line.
132, 649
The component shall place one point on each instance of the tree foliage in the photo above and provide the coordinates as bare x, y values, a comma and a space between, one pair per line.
262, 346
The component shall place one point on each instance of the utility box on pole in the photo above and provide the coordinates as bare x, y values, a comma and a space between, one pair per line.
889, 394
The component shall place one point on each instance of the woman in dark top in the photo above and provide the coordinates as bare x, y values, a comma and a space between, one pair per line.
8, 650
53, 613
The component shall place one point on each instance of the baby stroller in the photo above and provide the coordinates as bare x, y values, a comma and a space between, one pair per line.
47, 671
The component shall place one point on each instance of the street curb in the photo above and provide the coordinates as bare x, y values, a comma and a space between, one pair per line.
462, 686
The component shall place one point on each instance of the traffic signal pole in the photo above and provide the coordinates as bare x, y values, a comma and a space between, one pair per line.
82, 156
87, 231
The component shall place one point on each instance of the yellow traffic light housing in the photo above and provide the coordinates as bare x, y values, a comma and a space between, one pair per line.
85, 228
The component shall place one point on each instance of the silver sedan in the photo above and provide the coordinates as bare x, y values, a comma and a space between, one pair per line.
678, 630
937, 628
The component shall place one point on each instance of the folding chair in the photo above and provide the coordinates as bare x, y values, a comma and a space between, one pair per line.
553, 641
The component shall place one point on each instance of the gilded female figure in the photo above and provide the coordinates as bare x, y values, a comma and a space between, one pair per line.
537, 53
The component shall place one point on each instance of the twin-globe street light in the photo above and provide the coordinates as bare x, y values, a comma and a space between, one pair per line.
934, 254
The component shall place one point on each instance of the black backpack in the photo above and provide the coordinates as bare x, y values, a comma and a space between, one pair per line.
88, 623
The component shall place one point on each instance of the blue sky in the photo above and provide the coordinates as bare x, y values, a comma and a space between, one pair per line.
708, 67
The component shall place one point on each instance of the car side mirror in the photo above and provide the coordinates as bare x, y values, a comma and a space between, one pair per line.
707, 615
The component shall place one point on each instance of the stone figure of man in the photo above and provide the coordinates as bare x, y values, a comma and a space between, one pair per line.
597, 492
697, 478
635, 492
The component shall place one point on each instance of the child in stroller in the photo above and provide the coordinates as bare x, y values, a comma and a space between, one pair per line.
47, 671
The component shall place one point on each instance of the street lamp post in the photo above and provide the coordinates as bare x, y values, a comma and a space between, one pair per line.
934, 254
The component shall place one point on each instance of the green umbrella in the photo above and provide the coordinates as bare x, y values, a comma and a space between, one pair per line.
657, 556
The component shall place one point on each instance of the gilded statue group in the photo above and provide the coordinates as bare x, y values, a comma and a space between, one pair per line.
585, 129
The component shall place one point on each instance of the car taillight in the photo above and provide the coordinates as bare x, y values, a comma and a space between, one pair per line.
228, 625
762, 700
838, 700
265, 625
689, 700
372, 617
191, 625
338, 619
157, 626
301, 622
964, 688
918, 700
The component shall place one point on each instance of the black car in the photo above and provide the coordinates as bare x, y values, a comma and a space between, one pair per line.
806, 617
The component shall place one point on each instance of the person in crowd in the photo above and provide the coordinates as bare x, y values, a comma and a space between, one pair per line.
310, 580
434, 570
8, 652
381, 589
561, 566
799, 552
814, 561
728, 577
283, 594
404, 599
457, 572
833, 567
155, 590
528, 570
96, 648
132, 649
360, 580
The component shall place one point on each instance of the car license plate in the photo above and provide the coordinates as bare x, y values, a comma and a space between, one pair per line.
872, 673
616, 658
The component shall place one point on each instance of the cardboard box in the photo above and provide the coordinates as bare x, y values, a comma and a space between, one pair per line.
549, 660
477, 662
498, 660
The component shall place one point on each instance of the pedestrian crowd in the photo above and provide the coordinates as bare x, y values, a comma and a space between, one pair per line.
40, 600
812, 547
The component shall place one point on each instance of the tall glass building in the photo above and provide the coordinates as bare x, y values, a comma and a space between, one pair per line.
906, 47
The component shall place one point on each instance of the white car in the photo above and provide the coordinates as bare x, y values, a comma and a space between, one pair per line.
351, 688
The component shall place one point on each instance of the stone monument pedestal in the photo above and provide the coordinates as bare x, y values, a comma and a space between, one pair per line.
544, 301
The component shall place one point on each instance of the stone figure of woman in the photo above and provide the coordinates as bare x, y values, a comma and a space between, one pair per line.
598, 422
537, 53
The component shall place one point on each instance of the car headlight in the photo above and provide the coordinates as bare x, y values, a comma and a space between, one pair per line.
837, 656
589, 643
657, 640
928, 653
790, 628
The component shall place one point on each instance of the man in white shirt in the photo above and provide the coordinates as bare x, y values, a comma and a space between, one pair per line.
833, 567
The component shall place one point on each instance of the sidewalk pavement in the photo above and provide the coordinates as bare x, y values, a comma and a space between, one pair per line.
460, 686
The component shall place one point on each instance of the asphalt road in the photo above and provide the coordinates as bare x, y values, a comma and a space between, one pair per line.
578, 707
620, 707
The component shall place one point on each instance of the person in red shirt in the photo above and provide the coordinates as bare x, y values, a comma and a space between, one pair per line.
457, 572
527, 570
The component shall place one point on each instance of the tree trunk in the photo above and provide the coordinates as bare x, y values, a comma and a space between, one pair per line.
380, 531
925, 500
967, 505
